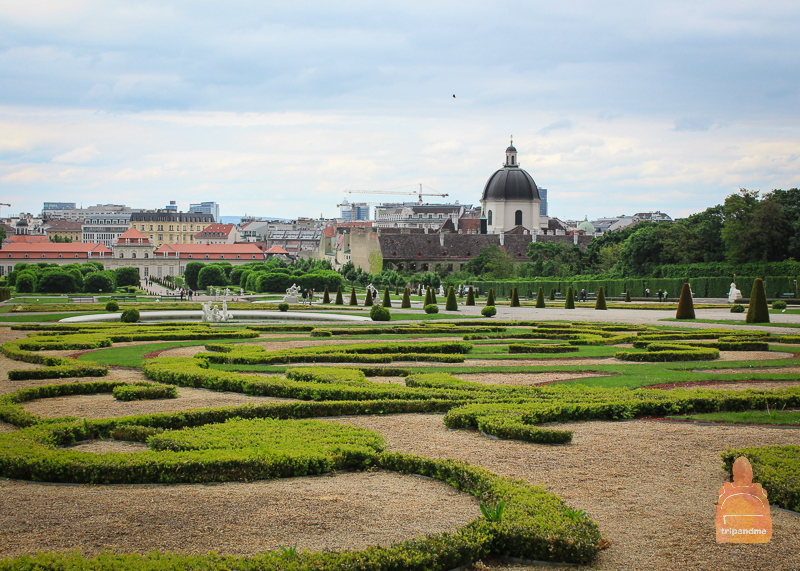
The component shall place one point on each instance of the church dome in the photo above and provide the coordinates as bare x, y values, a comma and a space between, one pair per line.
586, 226
510, 183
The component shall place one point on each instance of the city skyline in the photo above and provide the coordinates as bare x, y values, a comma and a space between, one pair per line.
273, 110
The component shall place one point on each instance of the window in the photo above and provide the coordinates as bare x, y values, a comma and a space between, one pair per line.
160, 237
222, 257
254, 256
76, 255
206, 256
171, 228
133, 254
160, 227
512, 159
43, 255
151, 229
489, 218
518, 218
238, 257
184, 227
190, 256
60, 256
121, 255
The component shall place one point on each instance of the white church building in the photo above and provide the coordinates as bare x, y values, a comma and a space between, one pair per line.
510, 198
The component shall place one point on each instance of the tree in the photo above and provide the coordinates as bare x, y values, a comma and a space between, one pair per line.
211, 275
60, 239
477, 266
501, 266
353, 298
514, 298
685, 304
387, 301
490, 297
127, 276
540, 298
757, 311
191, 273
470, 296
368, 298
326, 296
97, 282
26, 282
57, 282
406, 303
339, 296
570, 301
600, 303
452, 304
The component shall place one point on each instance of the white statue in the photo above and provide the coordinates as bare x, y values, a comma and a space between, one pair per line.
206, 312
292, 294
215, 314
241, 291
227, 292
441, 291
734, 294
225, 315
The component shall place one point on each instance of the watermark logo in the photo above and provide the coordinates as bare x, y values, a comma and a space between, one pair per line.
743, 509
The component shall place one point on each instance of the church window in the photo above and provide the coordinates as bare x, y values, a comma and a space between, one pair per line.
518, 218
512, 159
489, 218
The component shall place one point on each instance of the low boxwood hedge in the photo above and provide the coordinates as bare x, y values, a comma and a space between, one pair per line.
541, 348
59, 372
142, 390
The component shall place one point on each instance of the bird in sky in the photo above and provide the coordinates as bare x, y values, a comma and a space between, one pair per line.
454, 96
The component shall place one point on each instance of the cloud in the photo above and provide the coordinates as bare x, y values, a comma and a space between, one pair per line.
693, 124
77, 156
557, 126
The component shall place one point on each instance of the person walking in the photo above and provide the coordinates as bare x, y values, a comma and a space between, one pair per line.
181, 294
310, 296
660, 295
305, 296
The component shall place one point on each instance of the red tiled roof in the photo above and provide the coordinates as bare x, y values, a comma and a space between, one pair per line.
26, 239
214, 230
213, 251
50, 250
132, 234
276, 250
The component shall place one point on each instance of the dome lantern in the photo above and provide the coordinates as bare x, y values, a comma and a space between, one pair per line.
511, 155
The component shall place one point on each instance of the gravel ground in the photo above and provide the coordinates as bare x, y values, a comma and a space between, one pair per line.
5, 427
524, 379
741, 386
106, 406
103, 446
651, 486
315, 513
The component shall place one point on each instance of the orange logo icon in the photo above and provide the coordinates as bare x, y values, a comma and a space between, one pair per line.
743, 509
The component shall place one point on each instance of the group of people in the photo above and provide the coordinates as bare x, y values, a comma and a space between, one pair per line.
662, 294
308, 296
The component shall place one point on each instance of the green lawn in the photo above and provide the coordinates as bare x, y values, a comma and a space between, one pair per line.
788, 417
735, 322
43, 318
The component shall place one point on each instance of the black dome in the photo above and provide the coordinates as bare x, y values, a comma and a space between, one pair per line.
510, 184
511, 149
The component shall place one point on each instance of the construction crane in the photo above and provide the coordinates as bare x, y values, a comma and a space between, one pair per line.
394, 192
4, 204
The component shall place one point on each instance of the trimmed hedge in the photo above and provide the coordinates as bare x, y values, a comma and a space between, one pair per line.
669, 352
59, 372
142, 390
541, 348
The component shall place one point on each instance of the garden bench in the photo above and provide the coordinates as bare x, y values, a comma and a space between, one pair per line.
122, 297
82, 299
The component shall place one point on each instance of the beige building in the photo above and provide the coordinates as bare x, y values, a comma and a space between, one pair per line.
169, 227
64, 229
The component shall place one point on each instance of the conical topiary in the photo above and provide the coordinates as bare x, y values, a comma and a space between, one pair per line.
326, 296
758, 310
570, 303
470, 296
552, 294
339, 296
433, 297
601, 299
406, 303
427, 297
628, 296
452, 304
490, 297
540, 298
387, 302
514, 298
368, 298
353, 298
685, 304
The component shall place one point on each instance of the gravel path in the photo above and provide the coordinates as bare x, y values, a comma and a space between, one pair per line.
651, 486
103, 446
106, 406
346, 511
524, 379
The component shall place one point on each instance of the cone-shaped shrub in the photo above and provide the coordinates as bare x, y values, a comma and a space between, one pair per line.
601, 299
427, 298
627, 296
514, 298
452, 304
387, 302
552, 294
326, 296
368, 299
758, 310
433, 296
406, 303
470, 297
570, 303
490, 297
353, 298
540, 298
339, 296
685, 304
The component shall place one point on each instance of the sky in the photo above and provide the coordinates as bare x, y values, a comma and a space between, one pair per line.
276, 108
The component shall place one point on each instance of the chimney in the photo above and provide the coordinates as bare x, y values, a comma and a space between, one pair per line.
502, 238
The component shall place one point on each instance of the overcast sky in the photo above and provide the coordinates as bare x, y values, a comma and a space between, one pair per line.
275, 108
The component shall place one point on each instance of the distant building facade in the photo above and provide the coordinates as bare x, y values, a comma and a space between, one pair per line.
211, 208
58, 206
64, 229
165, 227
